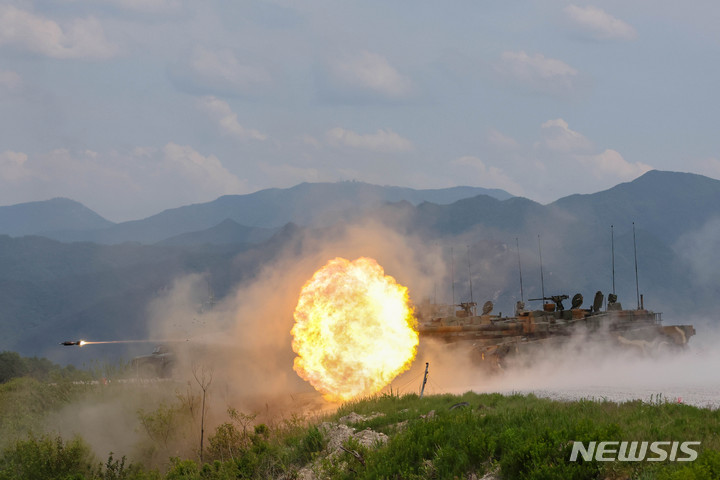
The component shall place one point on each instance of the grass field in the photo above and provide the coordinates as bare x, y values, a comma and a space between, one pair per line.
502, 436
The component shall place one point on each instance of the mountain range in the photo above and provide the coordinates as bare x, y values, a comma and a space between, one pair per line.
101, 286
57, 214
304, 204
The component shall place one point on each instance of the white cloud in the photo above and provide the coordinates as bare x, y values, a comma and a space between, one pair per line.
558, 137
560, 162
537, 72
224, 66
610, 164
310, 140
9, 81
120, 185
82, 38
12, 166
599, 24
207, 172
380, 141
502, 141
370, 73
489, 176
227, 120
219, 71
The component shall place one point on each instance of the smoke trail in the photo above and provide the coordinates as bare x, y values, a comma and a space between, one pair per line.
87, 342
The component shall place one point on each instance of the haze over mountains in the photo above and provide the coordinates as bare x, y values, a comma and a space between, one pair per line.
57, 214
52, 290
307, 203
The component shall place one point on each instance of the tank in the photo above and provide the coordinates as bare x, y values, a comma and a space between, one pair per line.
494, 339
158, 364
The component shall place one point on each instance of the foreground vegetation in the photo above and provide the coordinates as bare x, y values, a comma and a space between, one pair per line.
441, 436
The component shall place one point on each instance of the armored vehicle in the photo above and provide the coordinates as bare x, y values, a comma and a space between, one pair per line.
158, 364
494, 339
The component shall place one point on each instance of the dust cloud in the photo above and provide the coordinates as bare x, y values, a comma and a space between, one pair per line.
240, 346
582, 367
246, 338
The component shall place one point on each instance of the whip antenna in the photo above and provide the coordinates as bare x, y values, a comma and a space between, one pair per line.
452, 273
470, 273
517, 244
542, 278
637, 283
612, 248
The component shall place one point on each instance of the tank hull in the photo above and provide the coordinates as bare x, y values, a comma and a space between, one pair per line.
492, 340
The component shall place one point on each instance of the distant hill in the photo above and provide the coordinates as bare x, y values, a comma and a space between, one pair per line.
304, 204
51, 290
509, 215
49, 215
42, 281
668, 204
664, 203
575, 237
224, 233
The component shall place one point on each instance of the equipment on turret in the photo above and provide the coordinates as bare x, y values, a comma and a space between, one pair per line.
557, 299
492, 338
467, 309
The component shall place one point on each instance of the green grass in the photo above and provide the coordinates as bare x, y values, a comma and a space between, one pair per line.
527, 437
515, 436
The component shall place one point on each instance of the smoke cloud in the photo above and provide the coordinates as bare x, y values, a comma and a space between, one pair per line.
584, 366
241, 343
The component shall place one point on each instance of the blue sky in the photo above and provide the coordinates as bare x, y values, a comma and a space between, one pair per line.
134, 106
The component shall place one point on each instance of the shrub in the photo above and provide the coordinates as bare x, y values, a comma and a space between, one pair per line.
47, 458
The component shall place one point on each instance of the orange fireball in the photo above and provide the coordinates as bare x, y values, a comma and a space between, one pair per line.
354, 329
